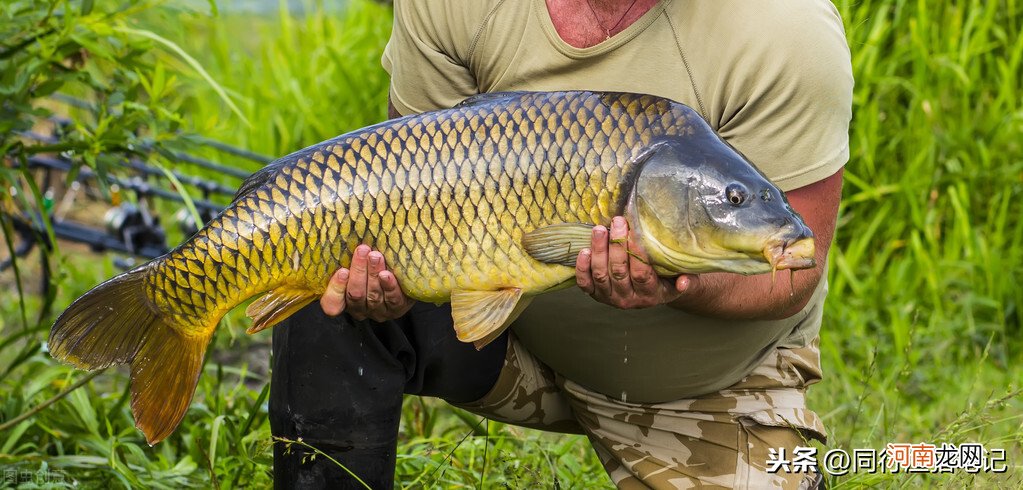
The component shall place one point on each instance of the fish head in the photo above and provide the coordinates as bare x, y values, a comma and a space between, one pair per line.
697, 205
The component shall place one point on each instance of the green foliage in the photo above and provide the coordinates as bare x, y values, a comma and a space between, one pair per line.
922, 331
48, 46
97, 53
299, 80
922, 334
54, 45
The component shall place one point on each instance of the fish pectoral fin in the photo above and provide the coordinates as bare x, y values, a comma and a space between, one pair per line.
558, 244
480, 316
276, 305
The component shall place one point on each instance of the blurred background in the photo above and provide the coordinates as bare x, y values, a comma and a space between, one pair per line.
122, 123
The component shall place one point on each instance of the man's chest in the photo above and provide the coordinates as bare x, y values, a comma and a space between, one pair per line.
529, 56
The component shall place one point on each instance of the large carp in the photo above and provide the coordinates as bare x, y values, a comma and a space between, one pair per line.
484, 205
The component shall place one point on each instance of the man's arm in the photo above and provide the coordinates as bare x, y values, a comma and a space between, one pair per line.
392, 112
606, 272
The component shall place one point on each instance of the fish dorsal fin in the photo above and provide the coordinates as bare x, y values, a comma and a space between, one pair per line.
480, 316
276, 305
257, 179
490, 97
558, 244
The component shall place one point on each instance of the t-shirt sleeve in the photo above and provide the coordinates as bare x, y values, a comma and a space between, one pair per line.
790, 106
424, 56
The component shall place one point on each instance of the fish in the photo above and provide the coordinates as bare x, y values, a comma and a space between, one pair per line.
484, 205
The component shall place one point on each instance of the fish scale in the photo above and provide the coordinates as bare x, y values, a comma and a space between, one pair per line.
448, 197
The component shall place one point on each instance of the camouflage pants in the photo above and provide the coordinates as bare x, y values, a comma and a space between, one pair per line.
717, 440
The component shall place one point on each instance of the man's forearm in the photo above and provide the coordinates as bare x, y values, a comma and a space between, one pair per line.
392, 112
732, 296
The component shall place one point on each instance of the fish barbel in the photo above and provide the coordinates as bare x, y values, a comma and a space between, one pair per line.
484, 205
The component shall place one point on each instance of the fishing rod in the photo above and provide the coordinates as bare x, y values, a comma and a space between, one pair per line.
130, 226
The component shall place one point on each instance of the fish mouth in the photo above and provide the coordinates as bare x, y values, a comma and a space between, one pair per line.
797, 254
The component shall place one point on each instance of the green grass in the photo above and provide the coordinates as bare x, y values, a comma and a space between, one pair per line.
923, 333
922, 330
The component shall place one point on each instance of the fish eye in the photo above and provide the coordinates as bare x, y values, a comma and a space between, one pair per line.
736, 194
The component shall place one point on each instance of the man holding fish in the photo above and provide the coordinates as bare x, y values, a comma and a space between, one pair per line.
677, 381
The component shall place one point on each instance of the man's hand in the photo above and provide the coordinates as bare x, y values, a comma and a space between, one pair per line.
367, 290
616, 271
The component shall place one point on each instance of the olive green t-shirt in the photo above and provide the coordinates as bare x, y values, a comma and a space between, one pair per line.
773, 77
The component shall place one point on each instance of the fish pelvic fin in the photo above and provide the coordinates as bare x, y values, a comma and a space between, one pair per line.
276, 305
481, 316
559, 243
492, 336
115, 323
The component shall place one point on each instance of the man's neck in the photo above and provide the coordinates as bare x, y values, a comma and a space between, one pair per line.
585, 23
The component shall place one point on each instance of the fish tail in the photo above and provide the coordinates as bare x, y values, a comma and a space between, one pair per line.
116, 323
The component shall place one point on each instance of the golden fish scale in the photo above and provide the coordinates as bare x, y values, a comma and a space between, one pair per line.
445, 196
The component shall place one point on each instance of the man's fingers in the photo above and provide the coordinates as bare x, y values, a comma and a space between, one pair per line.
582, 271
355, 293
598, 263
618, 258
641, 273
643, 278
366, 289
394, 299
675, 289
685, 283
374, 291
617, 271
360, 260
333, 300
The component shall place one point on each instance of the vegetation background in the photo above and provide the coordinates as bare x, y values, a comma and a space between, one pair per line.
923, 332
